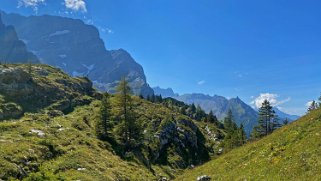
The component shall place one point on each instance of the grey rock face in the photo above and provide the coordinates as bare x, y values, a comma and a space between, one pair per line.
77, 48
13, 50
185, 139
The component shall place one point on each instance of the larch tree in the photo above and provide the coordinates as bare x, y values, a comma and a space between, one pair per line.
129, 129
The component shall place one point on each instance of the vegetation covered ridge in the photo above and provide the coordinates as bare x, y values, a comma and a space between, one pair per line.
63, 129
289, 153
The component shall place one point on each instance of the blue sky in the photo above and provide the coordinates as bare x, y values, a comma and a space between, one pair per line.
251, 49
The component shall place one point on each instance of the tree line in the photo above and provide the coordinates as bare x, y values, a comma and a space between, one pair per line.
120, 119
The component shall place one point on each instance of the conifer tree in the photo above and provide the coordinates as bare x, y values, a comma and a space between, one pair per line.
148, 98
233, 137
267, 121
242, 135
129, 130
199, 114
29, 67
212, 118
105, 113
286, 121
160, 98
152, 98
228, 121
192, 111
183, 110
313, 106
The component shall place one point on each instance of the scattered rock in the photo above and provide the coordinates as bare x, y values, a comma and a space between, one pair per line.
81, 169
204, 178
163, 179
61, 129
38, 132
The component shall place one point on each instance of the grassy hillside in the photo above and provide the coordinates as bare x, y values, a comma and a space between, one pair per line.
291, 153
62, 147
52, 134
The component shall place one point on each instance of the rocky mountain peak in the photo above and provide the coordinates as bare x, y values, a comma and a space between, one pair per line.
11, 48
77, 48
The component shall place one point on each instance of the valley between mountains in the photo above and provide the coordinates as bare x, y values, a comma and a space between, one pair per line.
72, 110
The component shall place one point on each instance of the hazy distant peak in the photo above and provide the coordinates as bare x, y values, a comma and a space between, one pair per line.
168, 92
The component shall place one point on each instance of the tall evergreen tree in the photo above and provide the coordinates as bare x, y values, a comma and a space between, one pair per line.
242, 135
229, 124
129, 130
286, 121
199, 114
234, 136
153, 98
105, 113
212, 118
313, 106
267, 121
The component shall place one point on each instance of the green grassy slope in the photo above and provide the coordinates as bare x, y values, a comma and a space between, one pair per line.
53, 135
68, 149
291, 153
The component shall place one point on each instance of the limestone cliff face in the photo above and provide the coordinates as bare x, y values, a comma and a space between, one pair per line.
77, 48
13, 50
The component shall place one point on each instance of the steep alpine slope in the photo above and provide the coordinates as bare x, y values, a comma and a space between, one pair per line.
290, 153
48, 129
77, 48
13, 50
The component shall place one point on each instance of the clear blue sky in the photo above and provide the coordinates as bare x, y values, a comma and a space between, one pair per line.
230, 48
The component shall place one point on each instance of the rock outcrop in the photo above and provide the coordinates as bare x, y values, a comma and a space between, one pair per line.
29, 88
181, 139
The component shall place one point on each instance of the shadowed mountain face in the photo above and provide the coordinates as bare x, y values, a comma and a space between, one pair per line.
78, 49
13, 50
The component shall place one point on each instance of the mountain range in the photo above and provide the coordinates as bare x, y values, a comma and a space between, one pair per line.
12, 49
242, 112
76, 48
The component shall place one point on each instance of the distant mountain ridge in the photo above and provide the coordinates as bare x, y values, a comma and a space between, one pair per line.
242, 112
165, 92
13, 50
77, 48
